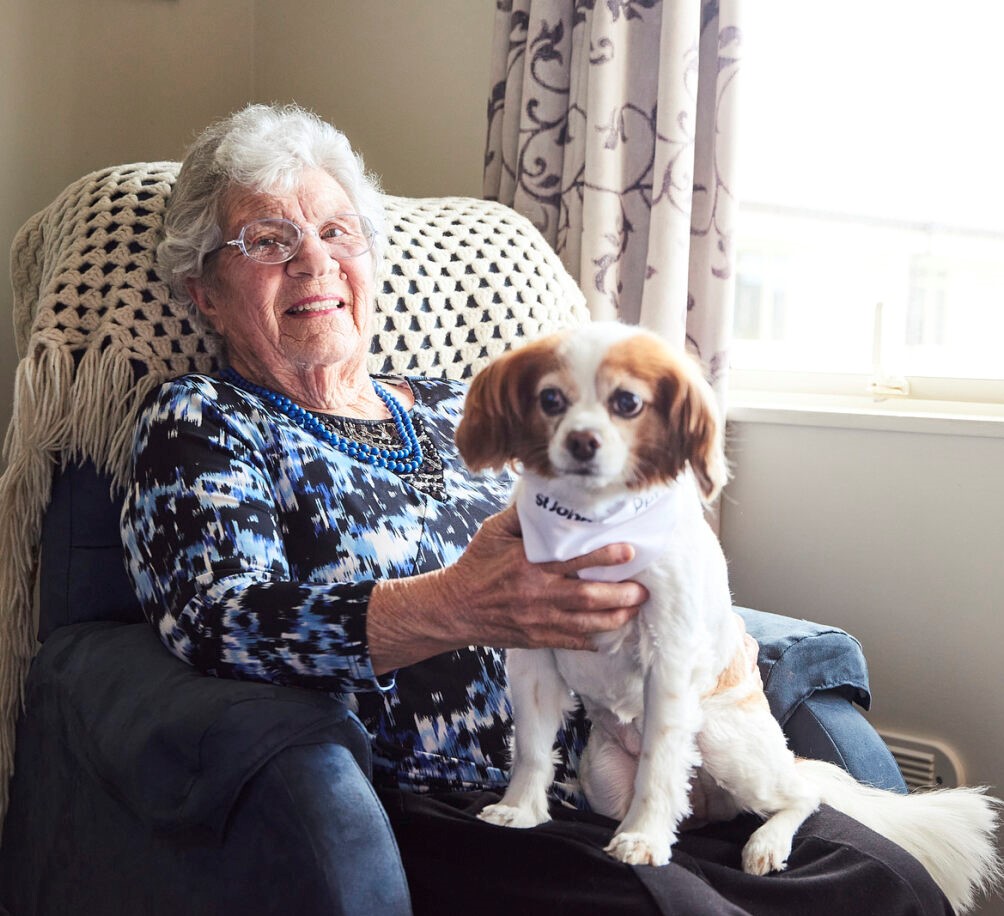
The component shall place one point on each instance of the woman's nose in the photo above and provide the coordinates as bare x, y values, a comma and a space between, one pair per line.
312, 258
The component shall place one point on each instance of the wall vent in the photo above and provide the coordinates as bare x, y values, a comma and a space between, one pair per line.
924, 764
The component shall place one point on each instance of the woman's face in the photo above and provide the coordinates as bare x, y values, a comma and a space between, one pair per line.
280, 321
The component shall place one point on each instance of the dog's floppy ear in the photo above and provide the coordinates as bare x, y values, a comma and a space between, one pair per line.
498, 406
695, 427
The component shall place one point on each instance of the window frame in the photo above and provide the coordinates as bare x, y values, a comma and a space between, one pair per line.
945, 406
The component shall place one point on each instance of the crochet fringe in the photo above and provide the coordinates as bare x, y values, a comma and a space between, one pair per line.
61, 414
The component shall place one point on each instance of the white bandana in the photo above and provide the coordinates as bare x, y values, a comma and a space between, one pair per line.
556, 530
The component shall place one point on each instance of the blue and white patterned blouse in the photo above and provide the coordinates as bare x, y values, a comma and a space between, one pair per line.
253, 546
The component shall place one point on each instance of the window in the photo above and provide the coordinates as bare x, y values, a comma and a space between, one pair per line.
761, 297
870, 233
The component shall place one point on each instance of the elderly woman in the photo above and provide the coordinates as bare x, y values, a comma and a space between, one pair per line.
296, 520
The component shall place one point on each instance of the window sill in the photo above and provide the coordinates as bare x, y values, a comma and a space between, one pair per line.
907, 415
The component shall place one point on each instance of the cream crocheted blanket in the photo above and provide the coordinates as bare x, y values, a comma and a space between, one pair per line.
96, 329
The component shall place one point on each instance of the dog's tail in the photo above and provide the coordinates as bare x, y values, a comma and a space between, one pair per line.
952, 832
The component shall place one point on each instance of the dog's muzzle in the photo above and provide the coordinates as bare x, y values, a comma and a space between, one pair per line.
582, 444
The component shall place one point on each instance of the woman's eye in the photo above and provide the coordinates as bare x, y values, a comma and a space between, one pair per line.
263, 243
265, 239
626, 403
333, 231
552, 402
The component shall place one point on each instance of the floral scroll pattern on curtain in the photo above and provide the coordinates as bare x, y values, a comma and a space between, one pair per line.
611, 128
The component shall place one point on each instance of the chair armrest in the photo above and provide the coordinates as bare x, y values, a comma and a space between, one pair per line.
142, 786
357, 867
174, 745
813, 675
798, 658
826, 726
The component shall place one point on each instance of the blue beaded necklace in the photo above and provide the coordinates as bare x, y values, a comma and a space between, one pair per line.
404, 460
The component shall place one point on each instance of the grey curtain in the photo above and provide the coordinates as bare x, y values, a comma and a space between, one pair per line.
611, 127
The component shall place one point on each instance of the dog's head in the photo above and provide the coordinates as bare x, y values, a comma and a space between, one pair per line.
608, 404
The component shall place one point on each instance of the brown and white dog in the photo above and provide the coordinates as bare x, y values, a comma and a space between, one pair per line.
616, 439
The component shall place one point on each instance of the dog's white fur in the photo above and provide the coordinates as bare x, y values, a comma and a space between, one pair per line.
675, 697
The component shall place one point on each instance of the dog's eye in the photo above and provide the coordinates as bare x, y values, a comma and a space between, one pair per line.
626, 403
552, 402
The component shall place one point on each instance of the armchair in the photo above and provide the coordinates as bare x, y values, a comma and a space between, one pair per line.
138, 785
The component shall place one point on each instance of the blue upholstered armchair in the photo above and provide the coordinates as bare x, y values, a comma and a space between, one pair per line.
140, 785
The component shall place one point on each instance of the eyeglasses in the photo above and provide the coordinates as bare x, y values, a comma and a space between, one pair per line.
275, 241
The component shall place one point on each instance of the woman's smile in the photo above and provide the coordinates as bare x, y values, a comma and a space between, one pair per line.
313, 305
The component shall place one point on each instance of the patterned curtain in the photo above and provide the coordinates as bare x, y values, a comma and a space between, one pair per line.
611, 127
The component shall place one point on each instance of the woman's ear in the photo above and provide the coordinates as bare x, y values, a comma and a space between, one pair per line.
199, 290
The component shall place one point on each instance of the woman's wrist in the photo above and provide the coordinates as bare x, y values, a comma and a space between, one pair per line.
404, 621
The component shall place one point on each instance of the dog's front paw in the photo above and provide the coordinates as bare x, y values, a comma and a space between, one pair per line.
764, 853
510, 816
639, 849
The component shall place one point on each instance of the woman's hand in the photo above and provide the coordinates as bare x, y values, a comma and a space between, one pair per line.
493, 596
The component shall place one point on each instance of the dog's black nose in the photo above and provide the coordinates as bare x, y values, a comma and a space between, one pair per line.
582, 444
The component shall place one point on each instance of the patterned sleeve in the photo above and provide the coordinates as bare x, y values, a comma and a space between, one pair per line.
204, 548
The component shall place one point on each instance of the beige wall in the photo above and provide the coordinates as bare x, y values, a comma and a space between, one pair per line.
407, 80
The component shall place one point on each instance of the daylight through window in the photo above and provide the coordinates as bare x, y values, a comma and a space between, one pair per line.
871, 189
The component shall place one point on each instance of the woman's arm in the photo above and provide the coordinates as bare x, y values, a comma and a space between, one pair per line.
207, 555
208, 558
